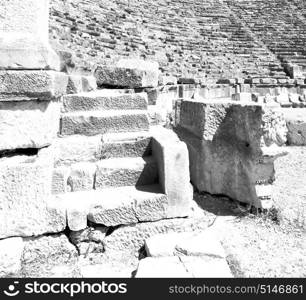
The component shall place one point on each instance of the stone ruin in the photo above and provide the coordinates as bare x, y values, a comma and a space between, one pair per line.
103, 163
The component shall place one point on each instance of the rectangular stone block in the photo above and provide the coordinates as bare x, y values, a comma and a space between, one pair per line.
104, 100
101, 122
32, 85
128, 73
224, 142
28, 124
24, 36
25, 205
173, 167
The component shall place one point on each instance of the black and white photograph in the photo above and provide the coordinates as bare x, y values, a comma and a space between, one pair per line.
158, 144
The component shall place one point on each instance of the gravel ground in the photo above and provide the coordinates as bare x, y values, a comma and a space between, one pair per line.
289, 188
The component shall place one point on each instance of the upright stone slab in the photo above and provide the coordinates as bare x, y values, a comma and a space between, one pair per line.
24, 36
225, 142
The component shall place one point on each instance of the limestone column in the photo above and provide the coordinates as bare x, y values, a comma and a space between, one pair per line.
24, 36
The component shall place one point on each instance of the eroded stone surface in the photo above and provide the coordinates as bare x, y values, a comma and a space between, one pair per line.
128, 73
26, 207
28, 124
10, 256
131, 238
225, 142
24, 36
296, 124
31, 85
42, 254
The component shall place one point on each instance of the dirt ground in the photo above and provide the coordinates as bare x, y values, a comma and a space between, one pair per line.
271, 245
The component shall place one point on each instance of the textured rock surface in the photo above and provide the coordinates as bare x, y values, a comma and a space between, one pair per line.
10, 256
25, 185
225, 142
173, 166
129, 205
24, 36
41, 254
126, 172
296, 124
104, 100
131, 238
128, 73
28, 124
31, 85
101, 122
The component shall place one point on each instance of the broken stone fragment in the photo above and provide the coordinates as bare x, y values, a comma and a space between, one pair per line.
128, 73
296, 124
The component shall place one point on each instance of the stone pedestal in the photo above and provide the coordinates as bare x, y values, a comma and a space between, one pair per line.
24, 36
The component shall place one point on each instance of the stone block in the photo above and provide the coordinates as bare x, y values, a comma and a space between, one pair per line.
128, 73
32, 85
11, 250
24, 36
102, 122
77, 208
225, 144
75, 84
42, 253
104, 100
26, 207
77, 148
173, 166
28, 124
243, 96
130, 238
131, 171
128, 205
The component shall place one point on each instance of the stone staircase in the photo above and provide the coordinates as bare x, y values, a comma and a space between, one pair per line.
106, 167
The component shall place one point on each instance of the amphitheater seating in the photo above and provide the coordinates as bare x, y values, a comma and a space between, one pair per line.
207, 40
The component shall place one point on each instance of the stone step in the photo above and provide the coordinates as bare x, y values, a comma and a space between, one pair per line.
79, 148
131, 144
136, 171
114, 172
114, 206
104, 100
101, 122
